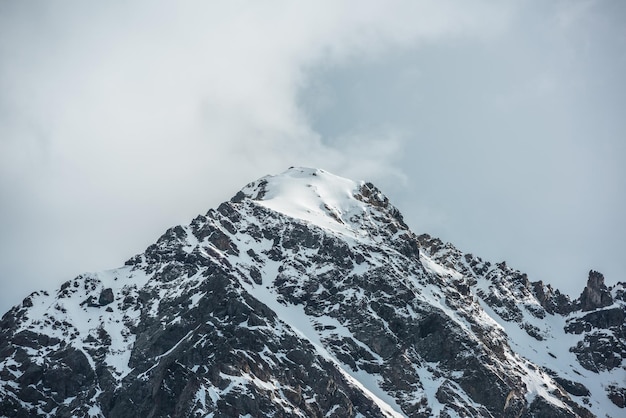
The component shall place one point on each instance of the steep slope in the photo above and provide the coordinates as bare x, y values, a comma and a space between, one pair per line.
307, 295
580, 343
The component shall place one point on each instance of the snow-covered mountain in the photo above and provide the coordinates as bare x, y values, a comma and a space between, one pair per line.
307, 295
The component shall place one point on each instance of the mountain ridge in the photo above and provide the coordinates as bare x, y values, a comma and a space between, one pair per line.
307, 295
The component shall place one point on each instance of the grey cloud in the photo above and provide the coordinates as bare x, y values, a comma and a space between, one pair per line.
120, 119
515, 142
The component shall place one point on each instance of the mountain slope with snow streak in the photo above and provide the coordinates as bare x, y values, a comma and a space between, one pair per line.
307, 295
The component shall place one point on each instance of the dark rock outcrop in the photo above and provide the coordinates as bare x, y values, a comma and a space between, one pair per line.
106, 296
596, 294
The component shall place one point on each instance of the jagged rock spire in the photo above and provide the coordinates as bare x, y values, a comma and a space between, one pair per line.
596, 294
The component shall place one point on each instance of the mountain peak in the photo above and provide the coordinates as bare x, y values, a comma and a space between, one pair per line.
306, 295
323, 199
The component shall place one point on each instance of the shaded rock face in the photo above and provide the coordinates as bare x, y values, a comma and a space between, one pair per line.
106, 296
596, 294
603, 346
252, 311
617, 396
553, 301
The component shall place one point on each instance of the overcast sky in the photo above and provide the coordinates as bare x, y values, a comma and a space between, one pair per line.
497, 126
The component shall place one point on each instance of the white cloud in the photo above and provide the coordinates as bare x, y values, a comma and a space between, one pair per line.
118, 119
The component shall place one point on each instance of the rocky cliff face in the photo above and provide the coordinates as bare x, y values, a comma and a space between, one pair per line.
307, 295
596, 294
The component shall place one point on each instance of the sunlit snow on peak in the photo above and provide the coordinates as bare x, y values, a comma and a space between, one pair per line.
314, 196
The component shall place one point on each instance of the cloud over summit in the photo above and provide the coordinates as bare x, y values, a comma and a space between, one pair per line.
118, 120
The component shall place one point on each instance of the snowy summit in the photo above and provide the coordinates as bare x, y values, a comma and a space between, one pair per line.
318, 197
306, 295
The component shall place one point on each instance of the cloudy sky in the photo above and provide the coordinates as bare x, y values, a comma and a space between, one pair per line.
497, 126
